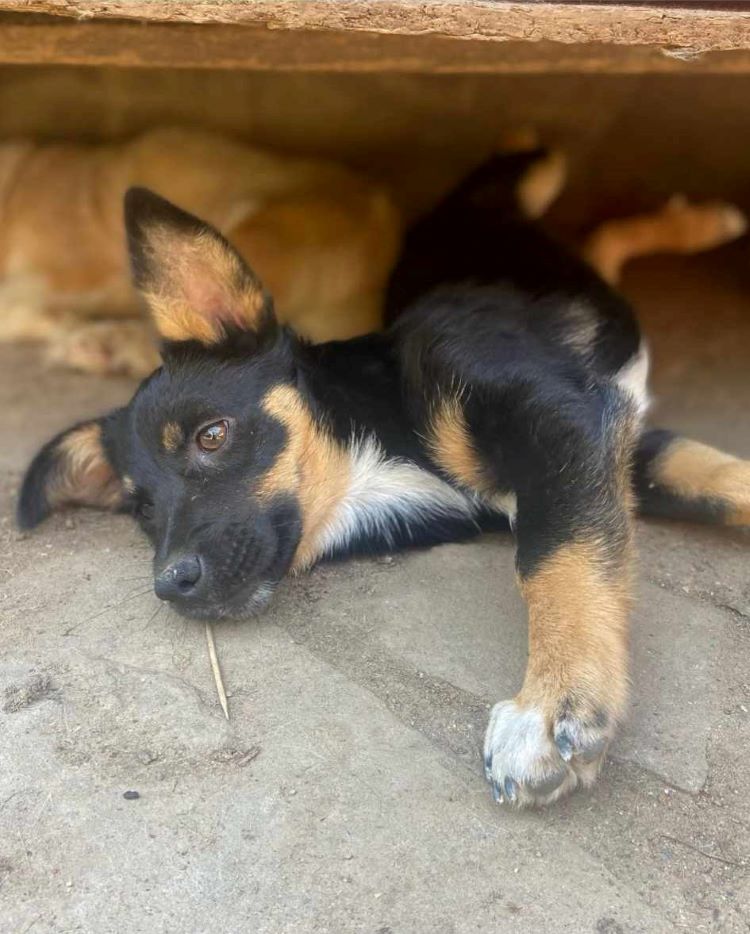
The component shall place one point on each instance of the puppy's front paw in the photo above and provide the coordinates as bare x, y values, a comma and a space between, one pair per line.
532, 760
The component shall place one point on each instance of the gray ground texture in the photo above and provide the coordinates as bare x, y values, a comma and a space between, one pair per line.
346, 792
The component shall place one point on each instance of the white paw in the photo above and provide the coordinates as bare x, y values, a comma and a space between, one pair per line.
707, 224
529, 762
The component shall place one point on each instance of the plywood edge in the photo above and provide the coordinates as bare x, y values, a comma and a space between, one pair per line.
486, 20
122, 43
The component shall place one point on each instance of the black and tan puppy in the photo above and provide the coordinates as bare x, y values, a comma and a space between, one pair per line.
509, 389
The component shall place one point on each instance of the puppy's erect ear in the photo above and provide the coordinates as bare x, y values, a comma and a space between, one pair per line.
195, 283
72, 469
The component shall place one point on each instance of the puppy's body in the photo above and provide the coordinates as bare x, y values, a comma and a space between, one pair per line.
511, 385
321, 236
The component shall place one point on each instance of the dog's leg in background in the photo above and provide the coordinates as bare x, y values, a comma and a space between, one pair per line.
679, 227
98, 332
123, 347
542, 183
677, 478
24, 315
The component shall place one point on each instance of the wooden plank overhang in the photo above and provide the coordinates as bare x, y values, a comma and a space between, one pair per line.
429, 36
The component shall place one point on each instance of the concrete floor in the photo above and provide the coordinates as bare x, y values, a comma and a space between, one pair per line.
346, 792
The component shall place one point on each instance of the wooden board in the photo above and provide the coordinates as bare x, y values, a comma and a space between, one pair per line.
43, 40
695, 28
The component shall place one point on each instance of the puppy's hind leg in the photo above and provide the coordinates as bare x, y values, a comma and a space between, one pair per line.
679, 227
677, 478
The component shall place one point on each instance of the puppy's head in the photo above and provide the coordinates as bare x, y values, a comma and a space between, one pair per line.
210, 454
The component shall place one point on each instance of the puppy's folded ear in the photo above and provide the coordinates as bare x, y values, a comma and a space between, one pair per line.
195, 283
72, 469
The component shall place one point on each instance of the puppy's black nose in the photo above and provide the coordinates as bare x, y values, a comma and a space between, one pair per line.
179, 580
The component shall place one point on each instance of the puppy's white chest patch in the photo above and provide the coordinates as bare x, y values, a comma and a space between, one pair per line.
386, 495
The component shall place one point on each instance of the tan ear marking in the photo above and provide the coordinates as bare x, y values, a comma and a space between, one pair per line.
85, 476
199, 285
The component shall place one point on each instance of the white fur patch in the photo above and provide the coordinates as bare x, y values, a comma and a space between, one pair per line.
519, 736
383, 492
633, 378
518, 747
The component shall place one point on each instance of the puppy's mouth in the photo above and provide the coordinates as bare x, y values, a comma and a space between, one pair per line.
239, 606
240, 567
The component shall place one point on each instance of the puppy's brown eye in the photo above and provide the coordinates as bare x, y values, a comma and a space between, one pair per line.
213, 436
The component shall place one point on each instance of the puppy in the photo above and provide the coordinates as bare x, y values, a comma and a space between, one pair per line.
322, 237
510, 390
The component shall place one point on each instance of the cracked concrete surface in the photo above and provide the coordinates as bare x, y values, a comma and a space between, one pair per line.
346, 792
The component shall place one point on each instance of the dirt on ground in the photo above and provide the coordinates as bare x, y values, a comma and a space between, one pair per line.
346, 791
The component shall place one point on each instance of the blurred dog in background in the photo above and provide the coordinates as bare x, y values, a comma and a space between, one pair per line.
323, 238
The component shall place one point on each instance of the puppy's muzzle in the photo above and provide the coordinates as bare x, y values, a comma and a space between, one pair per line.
181, 581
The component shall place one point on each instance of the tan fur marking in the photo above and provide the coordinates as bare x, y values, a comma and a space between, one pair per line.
200, 285
172, 437
697, 471
578, 609
313, 467
450, 446
541, 184
85, 476
679, 227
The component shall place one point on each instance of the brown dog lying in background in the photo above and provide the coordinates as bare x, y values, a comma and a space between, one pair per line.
323, 238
